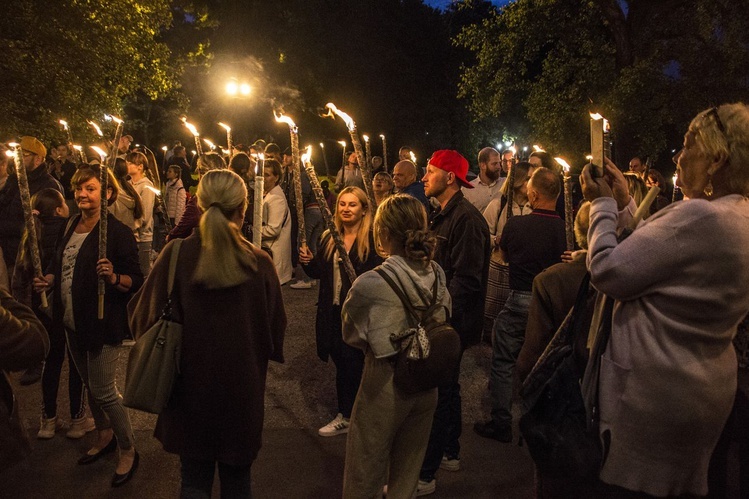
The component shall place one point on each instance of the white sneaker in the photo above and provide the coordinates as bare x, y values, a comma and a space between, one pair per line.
48, 427
426, 488
338, 426
449, 464
79, 427
301, 285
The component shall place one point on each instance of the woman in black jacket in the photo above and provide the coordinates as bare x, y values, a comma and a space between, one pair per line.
353, 218
93, 343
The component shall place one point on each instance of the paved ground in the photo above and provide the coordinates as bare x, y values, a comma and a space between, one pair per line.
294, 461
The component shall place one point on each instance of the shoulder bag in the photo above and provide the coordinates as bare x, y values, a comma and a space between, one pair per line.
153, 364
429, 351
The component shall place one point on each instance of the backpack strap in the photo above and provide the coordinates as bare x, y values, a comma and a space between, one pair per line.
413, 316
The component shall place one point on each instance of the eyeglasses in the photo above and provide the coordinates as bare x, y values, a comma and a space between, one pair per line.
714, 113
28, 154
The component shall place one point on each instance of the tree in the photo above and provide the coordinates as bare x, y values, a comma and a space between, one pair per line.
78, 60
647, 65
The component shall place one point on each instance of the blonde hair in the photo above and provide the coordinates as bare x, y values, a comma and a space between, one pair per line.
582, 223
362, 236
731, 142
226, 258
637, 188
209, 162
403, 219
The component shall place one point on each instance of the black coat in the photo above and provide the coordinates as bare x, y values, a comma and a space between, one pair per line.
11, 209
463, 252
328, 321
122, 250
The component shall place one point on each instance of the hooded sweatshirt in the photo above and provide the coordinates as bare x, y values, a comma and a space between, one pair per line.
372, 310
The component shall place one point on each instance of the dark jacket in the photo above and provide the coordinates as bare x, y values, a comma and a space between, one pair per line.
189, 221
23, 343
328, 330
48, 230
417, 190
65, 175
228, 337
92, 333
463, 252
11, 210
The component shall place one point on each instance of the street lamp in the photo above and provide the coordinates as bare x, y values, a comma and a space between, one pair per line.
237, 88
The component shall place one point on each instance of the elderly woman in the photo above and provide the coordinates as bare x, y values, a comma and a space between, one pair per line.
94, 343
668, 375
215, 417
390, 428
382, 186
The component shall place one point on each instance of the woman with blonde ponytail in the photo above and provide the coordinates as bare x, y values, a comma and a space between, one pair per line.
228, 298
389, 428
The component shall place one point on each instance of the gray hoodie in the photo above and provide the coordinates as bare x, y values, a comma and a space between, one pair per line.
372, 310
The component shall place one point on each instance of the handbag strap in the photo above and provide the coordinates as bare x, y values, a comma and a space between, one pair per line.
167, 313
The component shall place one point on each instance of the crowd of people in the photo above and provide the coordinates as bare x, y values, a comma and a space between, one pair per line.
493, 250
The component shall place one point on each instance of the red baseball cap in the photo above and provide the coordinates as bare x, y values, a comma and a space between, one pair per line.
452, 161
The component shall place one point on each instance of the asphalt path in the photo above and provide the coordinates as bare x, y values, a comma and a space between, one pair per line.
294, 461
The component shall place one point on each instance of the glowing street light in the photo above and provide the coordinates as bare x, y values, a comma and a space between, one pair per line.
244, 89
232, 88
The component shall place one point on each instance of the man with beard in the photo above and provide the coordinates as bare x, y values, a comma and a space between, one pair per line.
463, 253
488, 184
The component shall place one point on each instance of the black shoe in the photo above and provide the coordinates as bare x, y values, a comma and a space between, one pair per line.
495, 431
32, 375
92, 458
119, 480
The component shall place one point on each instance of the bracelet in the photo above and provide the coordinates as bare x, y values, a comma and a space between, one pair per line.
117, 281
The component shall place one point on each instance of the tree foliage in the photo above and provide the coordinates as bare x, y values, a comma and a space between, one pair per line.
647, 65
79, 59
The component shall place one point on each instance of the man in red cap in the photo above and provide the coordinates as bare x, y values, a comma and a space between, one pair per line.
463, 252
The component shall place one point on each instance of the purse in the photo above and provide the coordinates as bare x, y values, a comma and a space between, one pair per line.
153, 364
431, 353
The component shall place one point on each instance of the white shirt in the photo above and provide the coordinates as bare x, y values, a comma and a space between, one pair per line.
482, 194
69, 256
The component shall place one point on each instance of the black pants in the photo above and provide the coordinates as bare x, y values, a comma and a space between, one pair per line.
51, 377
349, 363
197, 480
446, 428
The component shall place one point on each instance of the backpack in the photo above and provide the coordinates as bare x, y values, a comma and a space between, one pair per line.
560, 438
429, 351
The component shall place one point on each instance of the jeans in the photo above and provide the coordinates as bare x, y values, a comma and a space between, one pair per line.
447, 427
97, 369
197, 479
508, 336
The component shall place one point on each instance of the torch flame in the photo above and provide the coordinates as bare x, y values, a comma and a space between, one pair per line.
9, 153
164, 148
365, 137
114, 118
307, 154
343, 143
96, 127
413, 157
64, 124
589, 157
78, 148
193, 130
596, 116
345, 117
321, 145
224, 126
284, 119
565, 165
382, 136
13, 144
100, 152
155, 190
210, 144
538, 148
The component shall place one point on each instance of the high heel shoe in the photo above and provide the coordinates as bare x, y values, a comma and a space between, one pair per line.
119, 480
92, 458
